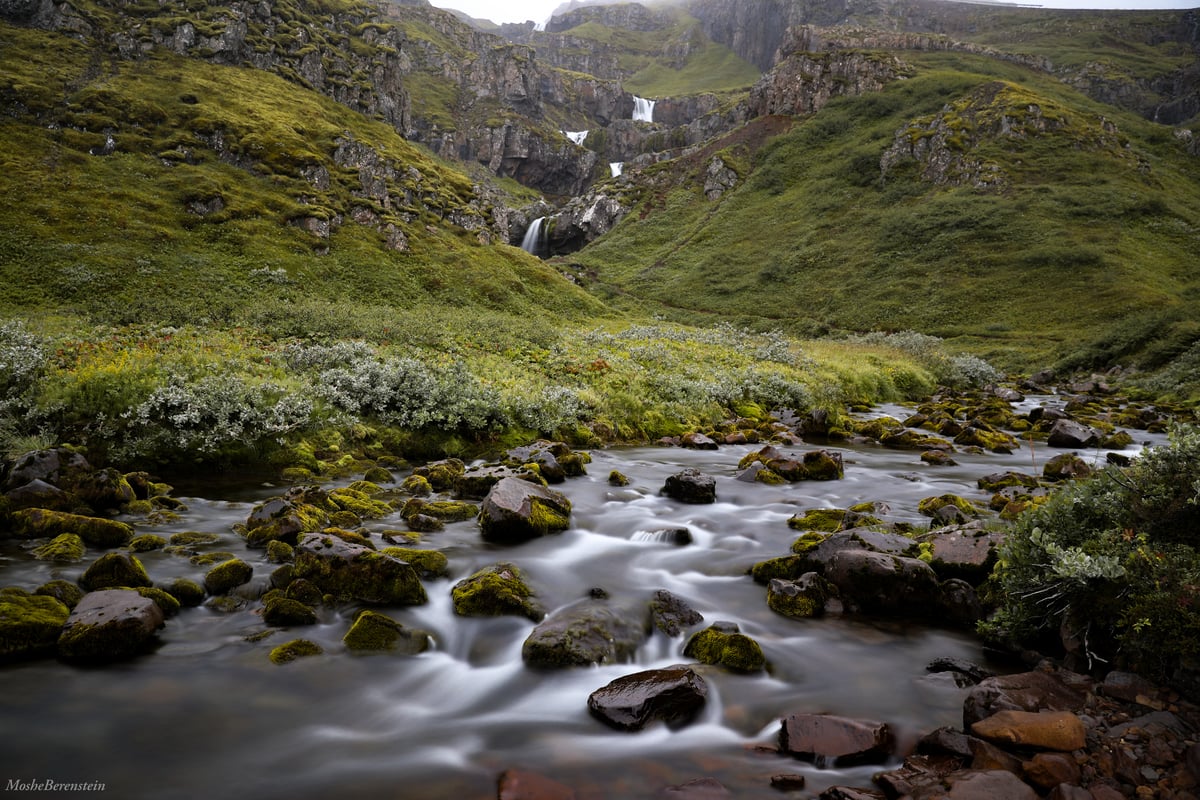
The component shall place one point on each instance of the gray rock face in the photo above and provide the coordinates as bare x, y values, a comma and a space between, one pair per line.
674, 695
109, 625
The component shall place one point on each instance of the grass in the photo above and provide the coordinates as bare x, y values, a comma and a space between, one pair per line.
1091, 226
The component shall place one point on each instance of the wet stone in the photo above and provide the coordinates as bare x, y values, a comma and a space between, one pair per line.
674, 695
109, 625
691, 486
832, 740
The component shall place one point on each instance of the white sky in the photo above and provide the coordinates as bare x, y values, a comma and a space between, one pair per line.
539, 10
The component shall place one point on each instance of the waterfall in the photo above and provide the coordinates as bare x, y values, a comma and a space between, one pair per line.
643, 109
576, 136
617, 168
535, 238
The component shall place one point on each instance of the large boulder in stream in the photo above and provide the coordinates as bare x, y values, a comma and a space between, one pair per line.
590, 632
495, 591
516, 511
835, 741
884, 584
1071, 434
109, 625
41, 523
29, 624
674, 695
691, 486
353, 572
721, 644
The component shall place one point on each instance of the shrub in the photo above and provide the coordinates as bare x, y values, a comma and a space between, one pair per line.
1111, 563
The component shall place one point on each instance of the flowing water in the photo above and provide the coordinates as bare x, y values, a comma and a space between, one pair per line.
643, 109
208, 715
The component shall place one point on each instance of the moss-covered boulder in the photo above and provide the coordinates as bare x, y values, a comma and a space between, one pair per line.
417, 485
283, 519
444, 510
348, 571
378, 475
442, 475
516, 511
297, 648
815, 465
113, 570
722, 645
375, 632
885, 584
284, 612
996, 481
147, 542
359, 503
672, 614
986, 438
166, 602
427, 563
1066, 467
41, 523
803, 598
110, 625
29, 624
65, 548
280, 552
104, 490
186, 591
495, 591
617, 478
227, 576
948, 508
65, 592
57, 466
590, 632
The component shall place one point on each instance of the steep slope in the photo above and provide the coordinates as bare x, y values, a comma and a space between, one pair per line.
970, 197
171, 189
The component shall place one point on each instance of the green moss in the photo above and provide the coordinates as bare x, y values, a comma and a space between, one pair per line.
359, 503
445, 510
167, 602
280, 552
147, 542
64, 548
785, 567
733, 651
193, 539
67, 593
114, 570
372, 631
297, 648
818, 519
807, 542
186, 591
429, 563
29, 624
36, 523
931, 505
227, 576
417, 485
495, 591
282, 611
616, 478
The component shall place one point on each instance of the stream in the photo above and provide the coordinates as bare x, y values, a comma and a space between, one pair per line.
208, 715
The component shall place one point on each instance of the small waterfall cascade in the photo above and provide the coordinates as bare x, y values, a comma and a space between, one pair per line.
535, 237
643, 109
576, 136
617, 168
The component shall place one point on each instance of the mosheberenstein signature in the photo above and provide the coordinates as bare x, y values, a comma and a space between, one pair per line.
18, 785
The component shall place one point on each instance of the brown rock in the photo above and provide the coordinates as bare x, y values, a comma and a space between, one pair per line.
1065, 791
1104, 792
987, 785
986, 755
1048, 770
519, 784
1047, 730
836, 740
1025, 691
674, 695
699, 789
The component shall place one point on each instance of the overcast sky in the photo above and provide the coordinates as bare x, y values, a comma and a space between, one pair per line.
539, 10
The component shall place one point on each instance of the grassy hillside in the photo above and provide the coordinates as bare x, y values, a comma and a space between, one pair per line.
1093, 218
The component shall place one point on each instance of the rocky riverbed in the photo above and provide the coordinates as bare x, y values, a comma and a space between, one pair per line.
770, 610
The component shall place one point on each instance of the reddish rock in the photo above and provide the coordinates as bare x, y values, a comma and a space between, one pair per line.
1025, 691
1046, 730
109, 625
989, 785
699, 789
1048, 770
519, 784
828, 739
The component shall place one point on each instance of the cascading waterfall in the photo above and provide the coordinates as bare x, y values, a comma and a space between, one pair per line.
617, 168
577, 137
535, 238
643, 109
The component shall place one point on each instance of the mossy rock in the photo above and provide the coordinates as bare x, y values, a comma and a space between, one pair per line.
417, 485
30, 624
65, 548
379, 475
428, 563
818, 519
734, 651
284, 612
785, 567
359, 503
297, 648
770, 477
616, 478
808, 541
876, 428
285, 520
938, 458
280, 552
40, 523
995, 441
344, 519
932, 506
516, 510
375, 632
1000, 480
495, 591
66, 592
208, 559
1116, 441
442, 475
186, 591
423, 523
1066, 466
348, 571
166, 602
147, 542
305, 591
803, 598
227, 576
109, 625
114, 570
193, 539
